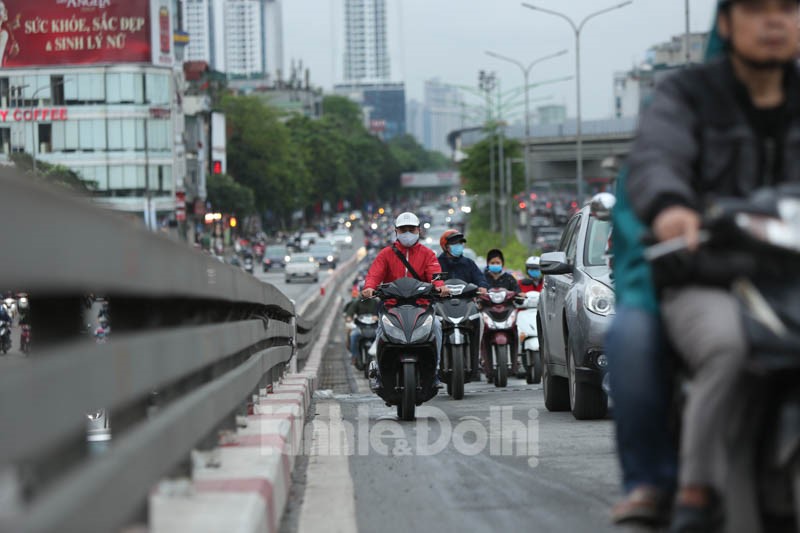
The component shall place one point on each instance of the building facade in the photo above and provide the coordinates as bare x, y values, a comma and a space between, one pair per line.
242, 38
366, 56
383, 105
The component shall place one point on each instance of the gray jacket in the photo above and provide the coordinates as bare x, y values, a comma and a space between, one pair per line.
696, 142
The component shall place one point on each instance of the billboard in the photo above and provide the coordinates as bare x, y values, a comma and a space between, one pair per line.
420, 180
82, 32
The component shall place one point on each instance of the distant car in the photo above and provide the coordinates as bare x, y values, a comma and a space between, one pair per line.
432, 235
575, 311
275, 256
308, 238
302, 266
342, 238
547, 238
325, 254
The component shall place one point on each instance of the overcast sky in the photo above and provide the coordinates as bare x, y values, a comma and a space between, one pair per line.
447, 39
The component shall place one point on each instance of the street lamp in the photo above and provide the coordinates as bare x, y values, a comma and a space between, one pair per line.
526, 71
577, 28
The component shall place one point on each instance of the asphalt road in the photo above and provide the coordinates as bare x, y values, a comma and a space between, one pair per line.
495, 461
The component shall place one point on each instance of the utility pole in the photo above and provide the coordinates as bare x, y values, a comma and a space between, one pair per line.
486, 83
688, 35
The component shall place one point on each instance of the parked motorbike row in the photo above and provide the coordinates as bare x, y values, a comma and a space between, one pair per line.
404, 368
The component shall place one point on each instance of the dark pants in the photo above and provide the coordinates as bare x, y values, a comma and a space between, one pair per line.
641, 389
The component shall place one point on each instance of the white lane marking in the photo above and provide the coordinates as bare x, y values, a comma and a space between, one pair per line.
329, 500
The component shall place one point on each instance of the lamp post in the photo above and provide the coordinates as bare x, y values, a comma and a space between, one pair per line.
577, 28
526, 71
35, 122
486, 83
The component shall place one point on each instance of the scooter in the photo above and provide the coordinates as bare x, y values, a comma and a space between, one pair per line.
25, 338
406, 351
248, 265
529, 355
500, 320
457, 313
753, 246
5, 337
368, 327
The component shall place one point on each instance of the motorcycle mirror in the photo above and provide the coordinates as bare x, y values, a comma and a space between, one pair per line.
440, 276
602, 205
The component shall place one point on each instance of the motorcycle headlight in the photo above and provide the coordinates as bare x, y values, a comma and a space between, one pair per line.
783, 232
497, 297
393, 333
599, 299
423, 331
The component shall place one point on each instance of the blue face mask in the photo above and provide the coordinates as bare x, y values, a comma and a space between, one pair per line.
457, 249
495, 269
535, 274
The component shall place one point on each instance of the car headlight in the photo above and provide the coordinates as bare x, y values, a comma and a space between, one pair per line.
599, 299
392, 332
330, 258
349, 240
423, 331
287, 258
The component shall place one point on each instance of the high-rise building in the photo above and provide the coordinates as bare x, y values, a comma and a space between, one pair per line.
366, 54
383, 105
238, 37
445, 107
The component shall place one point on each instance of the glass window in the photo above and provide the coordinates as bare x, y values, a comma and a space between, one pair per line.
597, 242
59, 134
141, 178
114, 134
562, 246
113, 88
86, 134
129, 177
99, 134
115, 177
140, 134
71, 88
157, 89
128, 134
165, 178
572, 244
131, 90
158, 135
71, 135
101, 176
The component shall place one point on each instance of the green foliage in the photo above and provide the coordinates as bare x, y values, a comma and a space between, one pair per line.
476, 168
413, 157
57, 175
344, 113
228, 196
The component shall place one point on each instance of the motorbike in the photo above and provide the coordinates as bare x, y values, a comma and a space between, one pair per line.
500, 319
5, 337
11, 307
457, 313
752, 246
25, 338
248, 265
530, 359
368, 327
406, 351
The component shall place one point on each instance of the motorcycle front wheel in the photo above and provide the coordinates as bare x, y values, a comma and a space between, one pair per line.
408, 402
456, 387
501, 372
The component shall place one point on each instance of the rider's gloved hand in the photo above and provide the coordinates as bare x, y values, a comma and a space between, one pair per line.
678, 221
443, 291
368, 293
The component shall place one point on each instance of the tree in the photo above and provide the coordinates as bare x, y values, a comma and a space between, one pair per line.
476, 169
227, 196
413, 157
344, 112
262, 156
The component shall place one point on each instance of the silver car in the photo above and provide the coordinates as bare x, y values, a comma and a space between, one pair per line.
575, 311
302, 266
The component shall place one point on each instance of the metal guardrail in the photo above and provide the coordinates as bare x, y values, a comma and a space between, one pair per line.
193, 340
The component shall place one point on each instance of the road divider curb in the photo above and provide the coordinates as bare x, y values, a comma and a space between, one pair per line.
247, 491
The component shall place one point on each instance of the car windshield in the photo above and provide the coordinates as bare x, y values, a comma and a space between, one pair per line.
597, 242
321, 249
275, 250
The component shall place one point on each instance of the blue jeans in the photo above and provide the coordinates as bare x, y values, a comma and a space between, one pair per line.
355, 336
640, 386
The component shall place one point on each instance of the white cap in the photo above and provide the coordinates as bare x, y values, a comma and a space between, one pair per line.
533, 260
406, 219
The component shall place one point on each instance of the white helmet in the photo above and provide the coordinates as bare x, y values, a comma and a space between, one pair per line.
533, 262
406, 219
23, 304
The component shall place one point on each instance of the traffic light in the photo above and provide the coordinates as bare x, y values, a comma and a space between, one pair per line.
216, 167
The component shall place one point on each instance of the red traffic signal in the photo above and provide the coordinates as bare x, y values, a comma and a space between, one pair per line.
217, 167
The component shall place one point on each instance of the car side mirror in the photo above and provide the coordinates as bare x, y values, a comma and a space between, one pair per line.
555, 263
602, 205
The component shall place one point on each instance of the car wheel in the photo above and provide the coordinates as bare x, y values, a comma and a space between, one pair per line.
586, 401
555, 388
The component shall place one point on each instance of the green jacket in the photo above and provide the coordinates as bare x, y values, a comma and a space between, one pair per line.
633, 281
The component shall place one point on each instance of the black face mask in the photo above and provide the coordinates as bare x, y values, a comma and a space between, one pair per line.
760, 65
